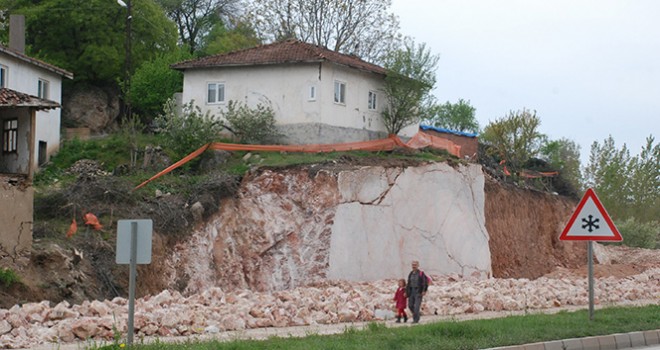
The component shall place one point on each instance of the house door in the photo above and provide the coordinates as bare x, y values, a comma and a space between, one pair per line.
43, 152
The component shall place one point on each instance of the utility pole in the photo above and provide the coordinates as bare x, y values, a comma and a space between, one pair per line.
127, 57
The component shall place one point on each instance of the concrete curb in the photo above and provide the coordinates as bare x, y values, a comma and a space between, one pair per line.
602, 342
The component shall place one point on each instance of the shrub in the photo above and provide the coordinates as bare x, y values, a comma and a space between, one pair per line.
8, 277
640, 234
252, 125
187, 130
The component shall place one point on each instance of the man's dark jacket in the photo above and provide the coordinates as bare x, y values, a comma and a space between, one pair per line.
422, 283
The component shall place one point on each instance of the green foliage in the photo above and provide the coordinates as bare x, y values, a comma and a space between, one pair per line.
195, 18
8, 277
639, 234
627, 186
154, 82
514, 138
252, 125
564, 156
223, 38
645, 182
87, 37
111, 152
186, 130
409, 81
458, 116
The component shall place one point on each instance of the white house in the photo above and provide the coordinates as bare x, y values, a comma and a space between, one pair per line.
17, 154
34, 77
318, 95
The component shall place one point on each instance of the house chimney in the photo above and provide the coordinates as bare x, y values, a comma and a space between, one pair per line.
17, 33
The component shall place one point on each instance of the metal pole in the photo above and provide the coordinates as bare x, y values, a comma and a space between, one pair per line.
127, 63
590, 262
131, 283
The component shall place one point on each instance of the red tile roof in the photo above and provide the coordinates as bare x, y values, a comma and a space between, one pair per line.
36, 62
289, 51
11, 98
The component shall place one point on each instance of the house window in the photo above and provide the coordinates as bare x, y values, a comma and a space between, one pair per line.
312, 93
372, 100
10, 135
340, 92
43, 89
43, 153
3, 76
215, 93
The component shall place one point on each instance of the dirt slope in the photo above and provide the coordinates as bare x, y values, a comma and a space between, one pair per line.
524, 228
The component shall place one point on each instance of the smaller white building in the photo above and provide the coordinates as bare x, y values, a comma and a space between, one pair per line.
318, 95
36, 78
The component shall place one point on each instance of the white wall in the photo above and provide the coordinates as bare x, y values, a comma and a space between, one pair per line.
287, 87
23, 77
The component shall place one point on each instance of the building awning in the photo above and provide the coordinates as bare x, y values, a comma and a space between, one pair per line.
14, 99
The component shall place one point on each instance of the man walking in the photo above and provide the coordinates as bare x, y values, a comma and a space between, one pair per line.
416, 289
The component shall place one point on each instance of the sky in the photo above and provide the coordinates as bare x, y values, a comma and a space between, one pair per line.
589, 69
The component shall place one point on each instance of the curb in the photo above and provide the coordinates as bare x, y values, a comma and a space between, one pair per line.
601, 342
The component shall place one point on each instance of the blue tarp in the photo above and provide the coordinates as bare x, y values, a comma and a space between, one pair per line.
447, 131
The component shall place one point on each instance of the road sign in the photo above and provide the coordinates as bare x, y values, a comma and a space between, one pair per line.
590, 222
124, 239
133, 247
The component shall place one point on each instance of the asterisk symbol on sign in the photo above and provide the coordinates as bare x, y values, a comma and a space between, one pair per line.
591, 223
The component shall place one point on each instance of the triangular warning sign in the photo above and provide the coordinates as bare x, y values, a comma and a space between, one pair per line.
590, 222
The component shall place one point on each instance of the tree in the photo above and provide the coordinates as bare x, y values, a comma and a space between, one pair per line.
154, 82
195, 18
564, 156
408, 83
361, 27
459, 116
515, 138
645, 182
224, 38
607, 173
628, 186
87, 37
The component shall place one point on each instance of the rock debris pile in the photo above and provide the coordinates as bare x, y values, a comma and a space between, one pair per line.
213, 310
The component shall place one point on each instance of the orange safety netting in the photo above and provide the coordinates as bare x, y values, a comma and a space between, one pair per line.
73, 228
92, 220
420, 140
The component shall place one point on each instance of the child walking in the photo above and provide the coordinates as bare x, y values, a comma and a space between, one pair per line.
401, 302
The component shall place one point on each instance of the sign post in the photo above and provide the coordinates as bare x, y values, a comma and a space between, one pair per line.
133, 247
594, 225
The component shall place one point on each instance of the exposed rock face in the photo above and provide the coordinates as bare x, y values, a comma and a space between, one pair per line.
91, 107
388, 217
296, 226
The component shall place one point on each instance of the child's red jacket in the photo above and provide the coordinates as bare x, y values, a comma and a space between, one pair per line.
400, 298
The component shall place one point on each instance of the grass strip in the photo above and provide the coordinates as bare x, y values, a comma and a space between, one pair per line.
450, 335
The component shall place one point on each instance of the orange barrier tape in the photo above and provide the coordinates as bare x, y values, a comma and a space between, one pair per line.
181, 162
420, 140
